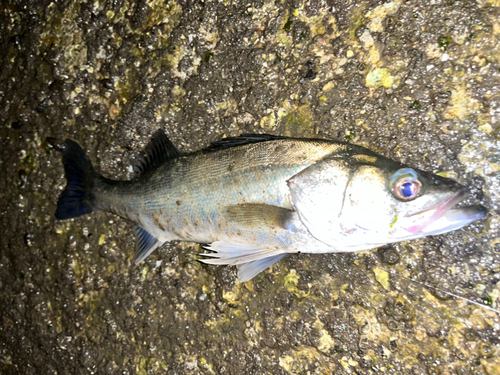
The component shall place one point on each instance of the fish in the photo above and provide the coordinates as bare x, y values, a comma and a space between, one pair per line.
253, 199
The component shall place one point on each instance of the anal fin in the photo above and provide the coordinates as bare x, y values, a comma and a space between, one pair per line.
145, 244
250, 259
248, 271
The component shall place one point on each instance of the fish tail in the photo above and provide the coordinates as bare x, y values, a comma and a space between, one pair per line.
77, 197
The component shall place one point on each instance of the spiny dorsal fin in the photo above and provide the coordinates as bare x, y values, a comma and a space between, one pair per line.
157, 152
243, 139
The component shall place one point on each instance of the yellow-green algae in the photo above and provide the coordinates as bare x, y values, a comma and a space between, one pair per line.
379, 77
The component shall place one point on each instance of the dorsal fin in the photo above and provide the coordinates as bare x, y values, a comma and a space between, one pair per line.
243, 139
157, 152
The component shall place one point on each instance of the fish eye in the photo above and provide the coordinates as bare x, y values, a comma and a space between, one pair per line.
405, 184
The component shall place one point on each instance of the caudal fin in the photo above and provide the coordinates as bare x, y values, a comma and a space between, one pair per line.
76, 199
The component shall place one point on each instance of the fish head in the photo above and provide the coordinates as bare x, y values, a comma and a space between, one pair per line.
358, 200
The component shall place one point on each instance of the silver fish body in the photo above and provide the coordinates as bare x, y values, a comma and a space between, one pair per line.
253, 199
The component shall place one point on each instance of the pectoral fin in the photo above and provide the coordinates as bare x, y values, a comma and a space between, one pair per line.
259, 215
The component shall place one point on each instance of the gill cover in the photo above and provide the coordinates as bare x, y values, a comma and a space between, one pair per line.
314, 194
341, 203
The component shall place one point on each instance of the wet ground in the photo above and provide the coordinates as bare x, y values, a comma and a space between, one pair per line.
416, 81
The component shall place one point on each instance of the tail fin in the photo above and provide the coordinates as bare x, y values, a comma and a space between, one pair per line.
76, 199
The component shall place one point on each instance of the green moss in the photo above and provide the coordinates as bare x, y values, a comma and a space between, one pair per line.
415, 105
298, 122
444, 41
288, 25
208, 56
487, 300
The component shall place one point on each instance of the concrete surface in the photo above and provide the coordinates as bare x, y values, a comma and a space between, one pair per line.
417, 81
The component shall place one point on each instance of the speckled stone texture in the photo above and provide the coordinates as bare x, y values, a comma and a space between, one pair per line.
417, 81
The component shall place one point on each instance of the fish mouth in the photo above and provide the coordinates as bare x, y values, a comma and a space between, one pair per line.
443, 217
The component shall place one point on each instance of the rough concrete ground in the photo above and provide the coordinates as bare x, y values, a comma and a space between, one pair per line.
417, 81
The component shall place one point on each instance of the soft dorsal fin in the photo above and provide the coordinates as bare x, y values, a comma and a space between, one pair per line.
158, 151
243, 139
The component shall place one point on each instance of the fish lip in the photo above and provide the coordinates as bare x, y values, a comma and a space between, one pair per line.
456, 218
439, 209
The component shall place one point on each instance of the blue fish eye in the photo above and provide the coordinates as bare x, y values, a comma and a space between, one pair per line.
405, 184
408, 189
